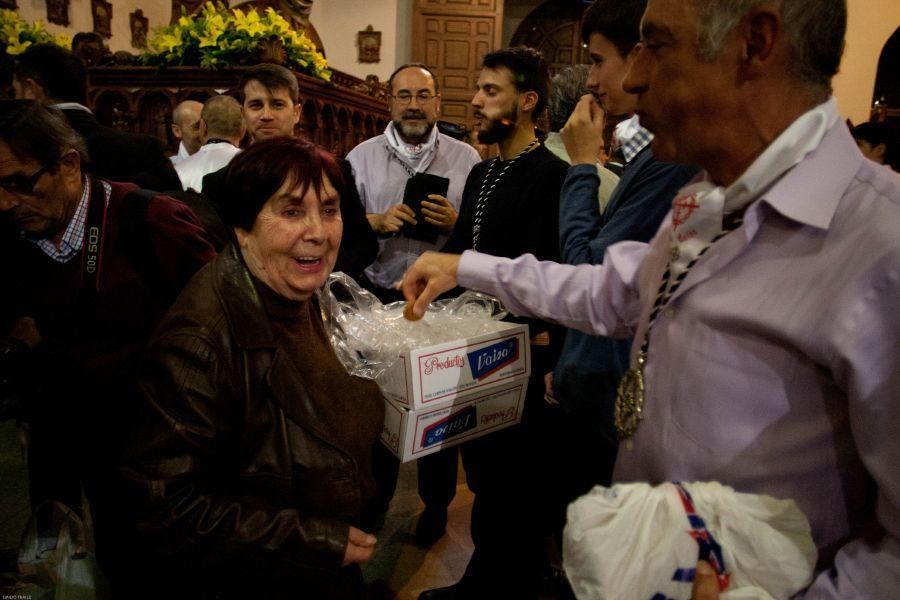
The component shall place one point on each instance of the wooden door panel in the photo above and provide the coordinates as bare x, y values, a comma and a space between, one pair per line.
452, 37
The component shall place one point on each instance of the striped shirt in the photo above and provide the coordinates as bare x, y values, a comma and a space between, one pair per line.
73, 237
632, 138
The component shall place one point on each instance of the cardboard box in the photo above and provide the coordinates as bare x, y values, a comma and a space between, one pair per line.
437, 374
411, 434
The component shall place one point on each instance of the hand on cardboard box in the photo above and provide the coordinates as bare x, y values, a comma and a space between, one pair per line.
432, 274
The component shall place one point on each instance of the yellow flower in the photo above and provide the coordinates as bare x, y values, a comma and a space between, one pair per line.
16, 48
166, 42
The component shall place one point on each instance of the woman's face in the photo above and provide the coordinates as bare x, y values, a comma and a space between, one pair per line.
295, 239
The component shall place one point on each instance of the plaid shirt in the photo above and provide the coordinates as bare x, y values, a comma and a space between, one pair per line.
632, 138
73, 237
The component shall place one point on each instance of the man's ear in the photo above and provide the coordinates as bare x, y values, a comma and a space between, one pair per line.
241, 236
760, 32
879, 151
176, 131
31, 90
527, 102
70, 166
204, 132
296, 113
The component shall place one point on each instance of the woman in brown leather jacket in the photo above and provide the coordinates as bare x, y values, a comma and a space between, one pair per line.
251, 459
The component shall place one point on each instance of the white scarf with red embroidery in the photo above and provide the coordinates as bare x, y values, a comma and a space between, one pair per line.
698, 209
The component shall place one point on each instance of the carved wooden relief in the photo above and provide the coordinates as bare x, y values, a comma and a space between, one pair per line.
369, 44
102, 14
139, 28
190, 7
58, 12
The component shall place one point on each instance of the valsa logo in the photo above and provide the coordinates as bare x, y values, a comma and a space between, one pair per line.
449, 427
491, 359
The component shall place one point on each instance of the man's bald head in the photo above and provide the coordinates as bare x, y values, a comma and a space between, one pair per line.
186, 124
221, 118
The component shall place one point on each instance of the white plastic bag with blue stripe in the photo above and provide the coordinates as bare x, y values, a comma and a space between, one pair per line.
635, 541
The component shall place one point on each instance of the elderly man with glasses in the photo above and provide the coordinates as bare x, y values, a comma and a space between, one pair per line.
412, 160
97, 263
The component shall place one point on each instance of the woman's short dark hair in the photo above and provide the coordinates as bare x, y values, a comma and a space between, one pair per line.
257, 173
529, 69
38, 132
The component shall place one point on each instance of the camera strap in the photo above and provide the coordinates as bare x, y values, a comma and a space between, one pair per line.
94, 228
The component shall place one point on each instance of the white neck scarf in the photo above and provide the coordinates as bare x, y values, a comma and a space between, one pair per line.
416, 156
698, 209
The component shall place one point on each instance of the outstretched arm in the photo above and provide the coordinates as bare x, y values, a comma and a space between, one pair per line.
601, 300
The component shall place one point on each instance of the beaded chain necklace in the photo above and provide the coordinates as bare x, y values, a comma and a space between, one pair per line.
485, 193
630, 394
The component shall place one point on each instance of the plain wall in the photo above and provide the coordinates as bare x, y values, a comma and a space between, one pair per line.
339, 21
870, 24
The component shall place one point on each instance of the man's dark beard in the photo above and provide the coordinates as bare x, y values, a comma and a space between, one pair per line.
410, 134
498, 129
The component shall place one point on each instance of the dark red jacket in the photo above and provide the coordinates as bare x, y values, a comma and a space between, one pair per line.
142, 271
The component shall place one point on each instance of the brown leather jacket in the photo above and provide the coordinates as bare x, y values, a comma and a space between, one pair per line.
230, 465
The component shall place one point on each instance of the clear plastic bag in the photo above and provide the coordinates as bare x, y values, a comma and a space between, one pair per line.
368, 336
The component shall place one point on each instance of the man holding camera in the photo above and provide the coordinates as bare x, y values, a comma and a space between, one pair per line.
96, 265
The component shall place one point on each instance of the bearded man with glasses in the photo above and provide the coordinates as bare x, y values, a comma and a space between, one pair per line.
406, 161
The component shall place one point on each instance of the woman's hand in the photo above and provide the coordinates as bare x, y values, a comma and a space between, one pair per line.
360, 547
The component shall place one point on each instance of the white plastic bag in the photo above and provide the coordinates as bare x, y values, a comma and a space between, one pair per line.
643, 542
368, 337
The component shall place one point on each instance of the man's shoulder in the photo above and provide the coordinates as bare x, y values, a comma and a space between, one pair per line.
372, 146
546, 163
450, 145
647, 166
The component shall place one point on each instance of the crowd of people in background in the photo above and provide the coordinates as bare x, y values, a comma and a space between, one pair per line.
706, 255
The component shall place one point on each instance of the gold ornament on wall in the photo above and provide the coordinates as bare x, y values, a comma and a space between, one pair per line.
369, 45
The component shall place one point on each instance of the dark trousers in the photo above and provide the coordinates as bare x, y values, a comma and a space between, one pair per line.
71, 449
436, 472
511, 513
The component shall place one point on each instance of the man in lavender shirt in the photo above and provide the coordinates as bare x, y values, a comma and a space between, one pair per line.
773, 362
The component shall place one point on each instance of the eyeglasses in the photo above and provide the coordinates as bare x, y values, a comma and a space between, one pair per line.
22, 185
405, 98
